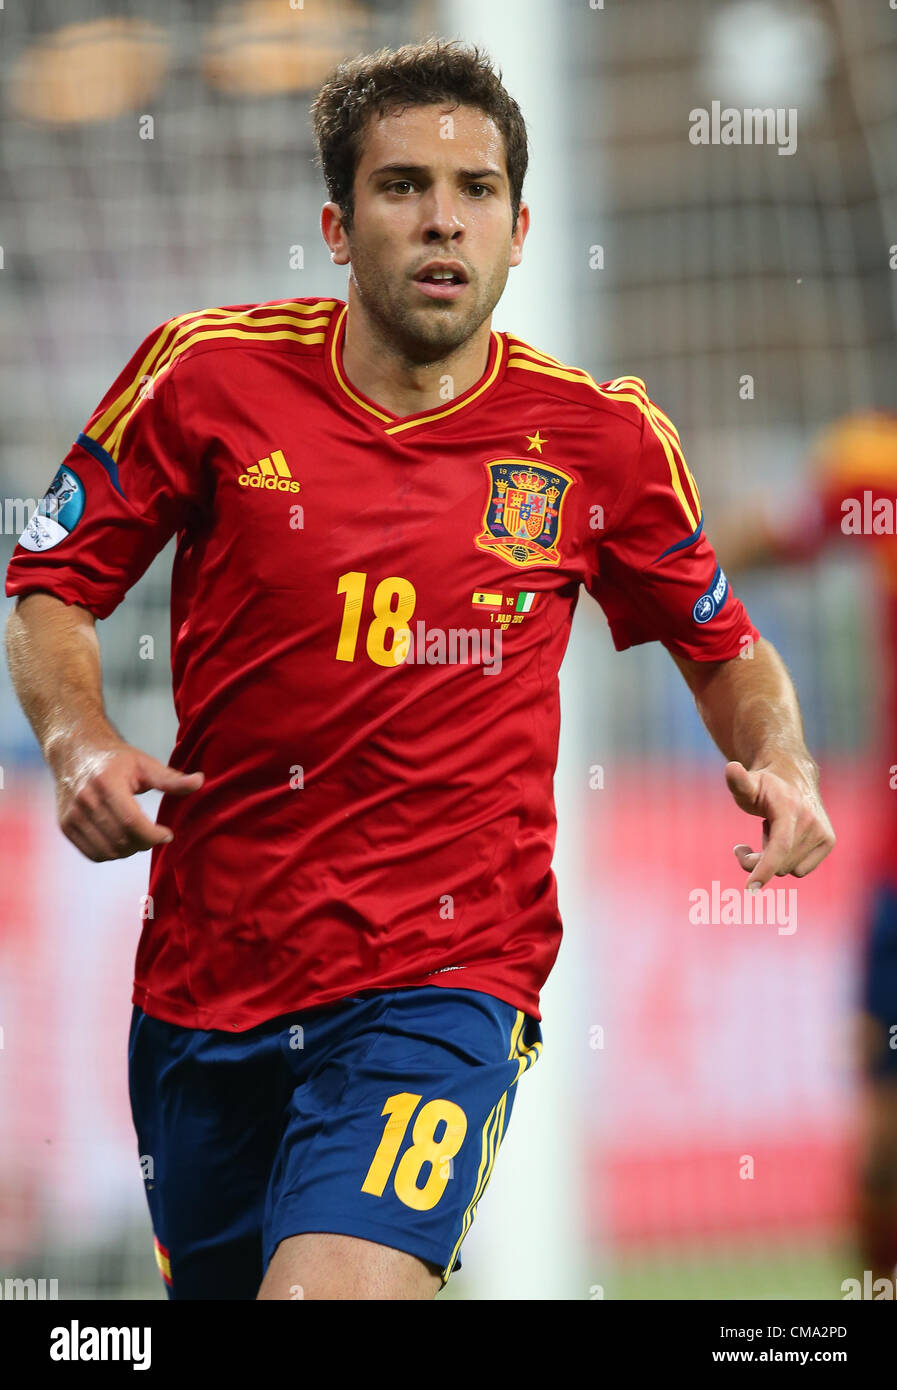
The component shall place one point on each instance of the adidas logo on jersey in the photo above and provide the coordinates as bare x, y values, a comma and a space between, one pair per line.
271, 473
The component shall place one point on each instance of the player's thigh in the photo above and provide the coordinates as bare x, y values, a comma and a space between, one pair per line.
320, 1265
208, 1119
392, 1138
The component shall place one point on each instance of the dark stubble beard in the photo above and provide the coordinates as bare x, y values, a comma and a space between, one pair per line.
426, 334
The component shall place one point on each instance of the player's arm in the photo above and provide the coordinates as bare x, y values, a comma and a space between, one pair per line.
54, 661
751, 711
127, 484
658, 579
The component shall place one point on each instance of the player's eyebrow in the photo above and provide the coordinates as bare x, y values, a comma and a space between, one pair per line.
468, 175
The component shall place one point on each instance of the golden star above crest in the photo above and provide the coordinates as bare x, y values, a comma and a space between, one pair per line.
535, 441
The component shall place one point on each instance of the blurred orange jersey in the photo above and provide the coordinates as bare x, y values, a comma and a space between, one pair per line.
853, 493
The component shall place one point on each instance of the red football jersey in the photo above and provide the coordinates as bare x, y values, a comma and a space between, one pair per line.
368, 615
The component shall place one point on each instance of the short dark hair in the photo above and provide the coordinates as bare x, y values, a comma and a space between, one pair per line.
420, 74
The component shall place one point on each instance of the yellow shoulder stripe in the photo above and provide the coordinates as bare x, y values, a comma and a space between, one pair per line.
181, 332
528, 364
517, 344
633, 391
642, 389
668, 434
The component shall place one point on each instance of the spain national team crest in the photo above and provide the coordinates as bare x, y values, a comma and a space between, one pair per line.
522, 520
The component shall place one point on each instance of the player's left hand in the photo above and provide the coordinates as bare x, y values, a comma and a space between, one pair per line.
797, 833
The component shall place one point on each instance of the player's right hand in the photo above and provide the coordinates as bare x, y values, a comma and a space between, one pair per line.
95, 805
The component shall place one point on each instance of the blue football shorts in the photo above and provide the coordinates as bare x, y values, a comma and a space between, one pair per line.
378, 1117
879, 978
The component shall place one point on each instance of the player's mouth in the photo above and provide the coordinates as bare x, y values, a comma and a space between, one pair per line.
442, 279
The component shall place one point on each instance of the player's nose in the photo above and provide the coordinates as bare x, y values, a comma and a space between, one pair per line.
442, 216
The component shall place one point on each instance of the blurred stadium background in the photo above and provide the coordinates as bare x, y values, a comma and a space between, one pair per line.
671, 1050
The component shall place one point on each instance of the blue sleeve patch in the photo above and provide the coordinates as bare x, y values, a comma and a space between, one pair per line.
710, 603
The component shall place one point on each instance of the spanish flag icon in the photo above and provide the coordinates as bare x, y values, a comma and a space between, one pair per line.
484, 600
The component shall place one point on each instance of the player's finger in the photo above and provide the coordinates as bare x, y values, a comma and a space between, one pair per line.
154, 774
746, 856
133, 829
111, 817
85, 837
778, 851
744, 786
813, 838
93, 807
811, 860
83, 812
71, 833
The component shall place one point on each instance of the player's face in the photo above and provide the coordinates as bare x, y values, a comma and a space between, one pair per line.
431, 191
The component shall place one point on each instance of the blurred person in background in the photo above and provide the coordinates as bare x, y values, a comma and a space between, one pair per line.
849, 496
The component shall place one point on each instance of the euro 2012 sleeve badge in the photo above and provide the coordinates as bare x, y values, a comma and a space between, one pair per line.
522, 520
57, 513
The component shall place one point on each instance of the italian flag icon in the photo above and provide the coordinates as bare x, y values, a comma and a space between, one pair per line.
525, 602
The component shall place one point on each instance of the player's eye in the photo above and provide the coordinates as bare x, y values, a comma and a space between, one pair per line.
398, 184
483, 189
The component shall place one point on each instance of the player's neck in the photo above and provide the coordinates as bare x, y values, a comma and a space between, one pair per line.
378, 369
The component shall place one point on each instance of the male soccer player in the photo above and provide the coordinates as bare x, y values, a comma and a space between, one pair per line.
385, 510
850, 495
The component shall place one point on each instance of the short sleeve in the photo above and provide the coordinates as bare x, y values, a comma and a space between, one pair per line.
123, 489
656, 575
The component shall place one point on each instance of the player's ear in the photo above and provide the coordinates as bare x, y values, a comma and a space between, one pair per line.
519, 235
333, 230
